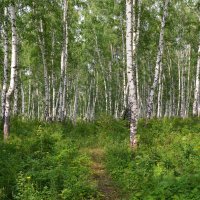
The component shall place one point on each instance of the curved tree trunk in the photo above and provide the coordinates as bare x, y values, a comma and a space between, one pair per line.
13, 73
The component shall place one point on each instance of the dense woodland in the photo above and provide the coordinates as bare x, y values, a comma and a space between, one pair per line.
74, 71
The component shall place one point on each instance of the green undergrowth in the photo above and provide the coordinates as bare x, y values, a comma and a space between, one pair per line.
44, 161
164, 166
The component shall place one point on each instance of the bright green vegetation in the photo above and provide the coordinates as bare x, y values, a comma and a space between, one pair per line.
41, 162
50, 161
165, 165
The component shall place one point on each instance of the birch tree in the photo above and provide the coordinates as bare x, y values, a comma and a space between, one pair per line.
46, 81
130, 47
5, 64
158, 61
196, 105
64, 55
13, 72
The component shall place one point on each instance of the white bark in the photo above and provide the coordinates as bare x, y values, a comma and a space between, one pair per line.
130, 50
95, 96
15, 106
183, 97
53, 78
46, 84
64, 55
75, 103
13, 72
29, 96
23, 99
188, 81
125, 87
159, 108
197, 89
103, 72
158, 61
179, 84
5, 67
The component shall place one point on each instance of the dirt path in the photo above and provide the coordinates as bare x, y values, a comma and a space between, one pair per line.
99, 174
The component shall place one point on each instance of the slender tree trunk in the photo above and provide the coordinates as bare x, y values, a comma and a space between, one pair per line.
46, 84
53, 78
159, 109
136, 34
53, 97
15, 106
130, 51
158, 61
103, 73
170, 85
64, 54
29, 96
125, 86
197, 89
179, 84
188, 81
23, 99
183, 72
75, 102
5, 68
13, 73
95, 96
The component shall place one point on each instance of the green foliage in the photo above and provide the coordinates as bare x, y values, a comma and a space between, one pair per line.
40, 162
164, 166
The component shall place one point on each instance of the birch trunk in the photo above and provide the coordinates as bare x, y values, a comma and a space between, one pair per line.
110, 88
103, 72
183, 72
13, 73
136, 35
159, 109
197, 85
5, 67
130, 47
23, 99
15, 106
197, 89
188, 81
158, 61
124, 99
95, 96
179, 84
46, 84
53, 78
29, 96
64, 55
75, 103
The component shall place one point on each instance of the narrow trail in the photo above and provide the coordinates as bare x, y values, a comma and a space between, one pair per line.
99, 174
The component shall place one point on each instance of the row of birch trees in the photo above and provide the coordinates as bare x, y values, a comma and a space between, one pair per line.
72, 60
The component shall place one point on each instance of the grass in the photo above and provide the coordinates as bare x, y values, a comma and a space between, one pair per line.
42, 161
165, 164
91, 160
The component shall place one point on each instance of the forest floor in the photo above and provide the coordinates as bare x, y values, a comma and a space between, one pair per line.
105, 185
93, 161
